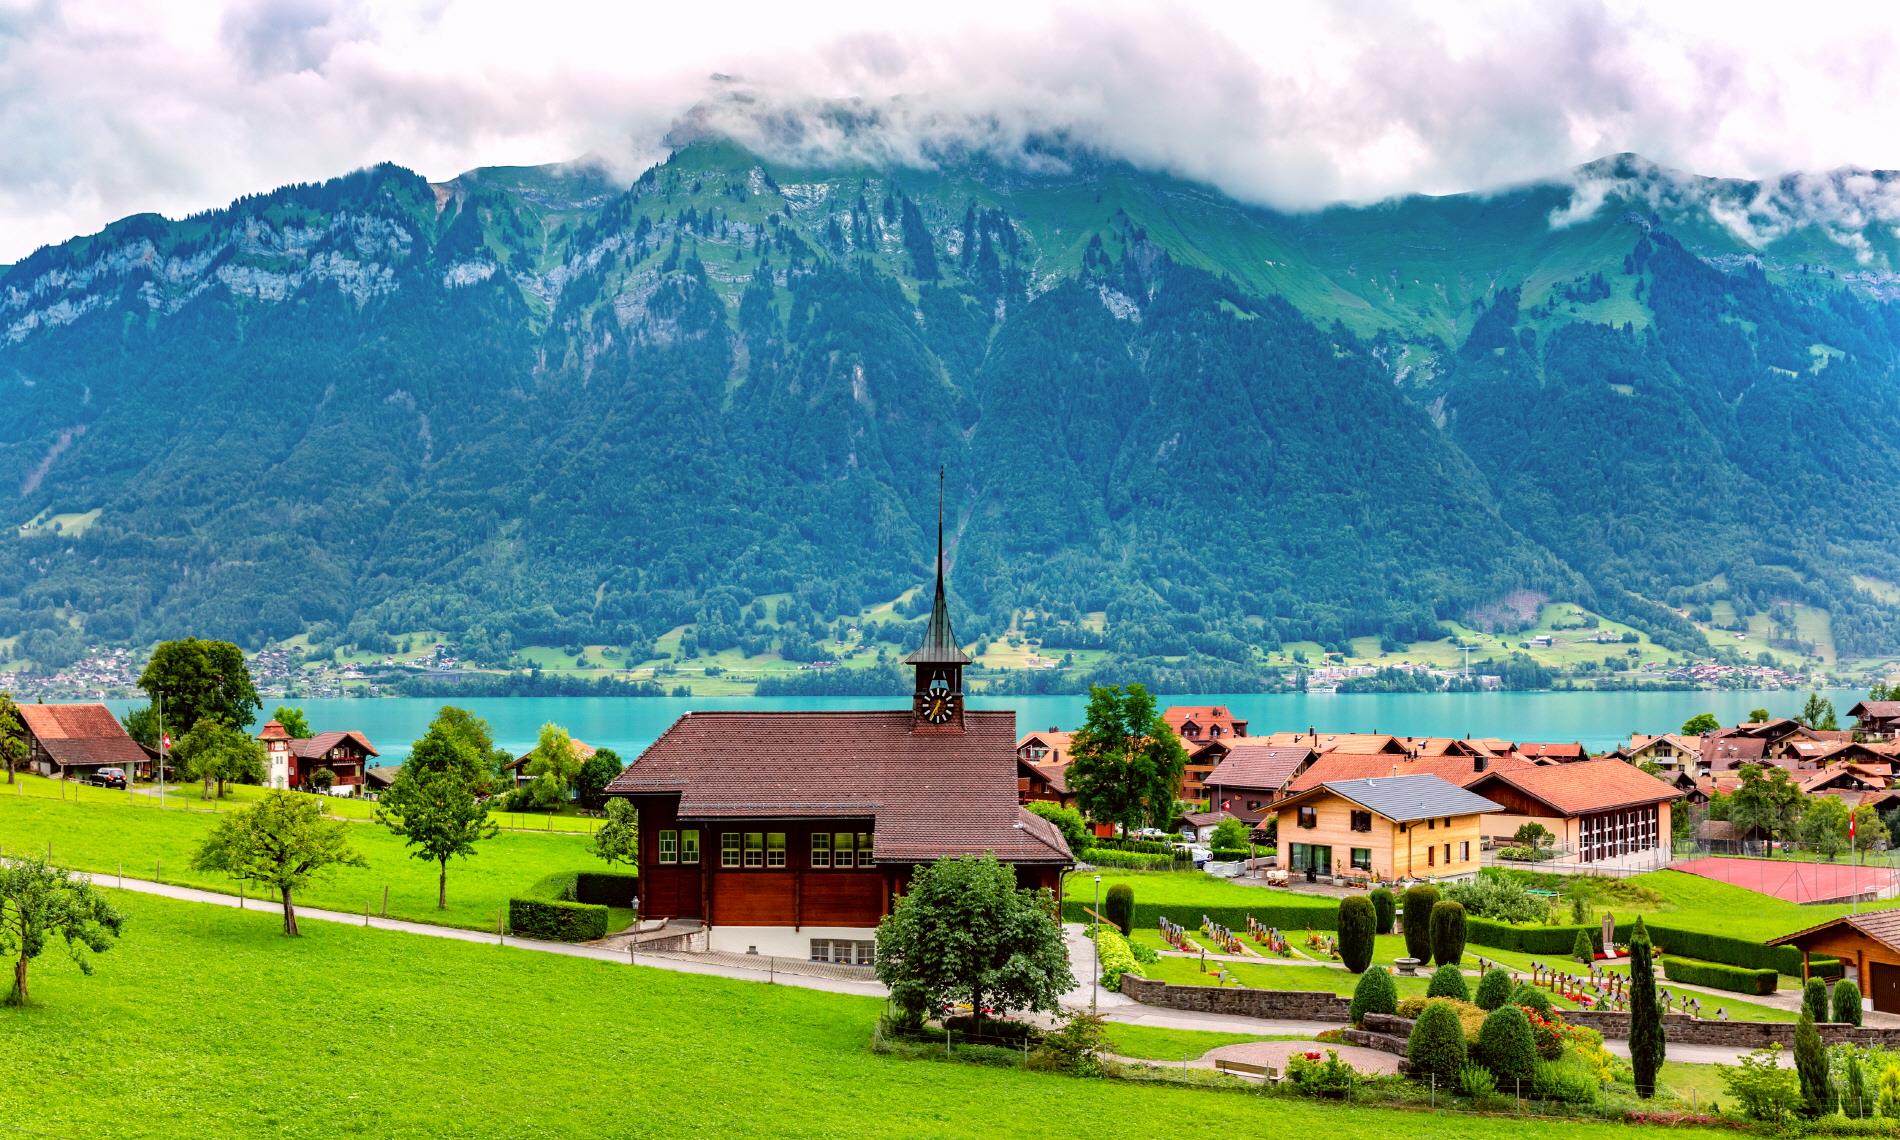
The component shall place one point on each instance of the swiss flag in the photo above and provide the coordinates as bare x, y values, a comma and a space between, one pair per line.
1851, 821
165, 742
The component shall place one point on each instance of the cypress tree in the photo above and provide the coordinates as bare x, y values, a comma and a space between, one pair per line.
1448, 932
1418, 922
1810, 1061
1847, 1002
1646, 1027
1814, 999
1384, 909
1118, 907
1356, 921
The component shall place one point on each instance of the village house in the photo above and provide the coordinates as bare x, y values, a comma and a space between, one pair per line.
1043, 783
793, 833
1672, 752
1358, 743
1394, 827
74, 742
1044, 748
1876, 720
1462, 771
302, 762
1868, 943
1253, 776
1559, 753
1597, 810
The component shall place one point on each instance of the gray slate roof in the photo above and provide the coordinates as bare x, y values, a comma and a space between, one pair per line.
1403, 799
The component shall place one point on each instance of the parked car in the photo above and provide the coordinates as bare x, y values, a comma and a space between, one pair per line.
108, 778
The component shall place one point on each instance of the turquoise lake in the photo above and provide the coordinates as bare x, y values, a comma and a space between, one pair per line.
628, 724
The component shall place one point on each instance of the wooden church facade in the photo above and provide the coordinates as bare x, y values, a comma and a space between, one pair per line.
793, 833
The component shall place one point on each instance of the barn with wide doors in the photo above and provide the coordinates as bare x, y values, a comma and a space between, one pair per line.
793, 833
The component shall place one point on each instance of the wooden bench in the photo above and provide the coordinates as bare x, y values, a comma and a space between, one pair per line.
1246, 1068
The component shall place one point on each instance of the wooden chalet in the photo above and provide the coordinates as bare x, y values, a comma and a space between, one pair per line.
793, 833
1417, 826
1672, 752
1044, 783
1877, 720
1869, 944
75, 741
518, 767
1253, 776
291, 762
1598, 809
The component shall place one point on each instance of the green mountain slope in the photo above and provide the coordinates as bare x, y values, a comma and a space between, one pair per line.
531, 407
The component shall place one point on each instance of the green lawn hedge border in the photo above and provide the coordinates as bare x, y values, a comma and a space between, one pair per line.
546, 911
1720, 976
606, 888
1319, 914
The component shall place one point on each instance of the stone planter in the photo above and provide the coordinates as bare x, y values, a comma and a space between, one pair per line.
1407, 967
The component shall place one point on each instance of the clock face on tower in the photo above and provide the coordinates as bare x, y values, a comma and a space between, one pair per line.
939, 703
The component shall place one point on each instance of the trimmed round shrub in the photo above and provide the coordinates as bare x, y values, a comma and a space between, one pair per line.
1356, 922
1385, 909
1448, 932
1847, 1002
1814, 999
1505, 1046
1118, 907
1436, 1048
1494, 989
1448, 982
1533, 998
1375, 993
1419, 902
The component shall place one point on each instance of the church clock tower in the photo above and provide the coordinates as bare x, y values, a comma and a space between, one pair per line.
937, 704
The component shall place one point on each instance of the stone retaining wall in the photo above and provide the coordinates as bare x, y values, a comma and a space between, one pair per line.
1284, 1005
1687, 1030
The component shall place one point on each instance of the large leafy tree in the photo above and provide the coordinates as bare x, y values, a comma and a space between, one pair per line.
198, 679
1823, 827
1128, 762
442, 749
596, 772
283, 841
473, 733
552, 768
40, 901
215, 753
965, 932
13, 749
1818, 713
141, 724
1699, 724
293, 720
1767, 801
437, 813
617, 840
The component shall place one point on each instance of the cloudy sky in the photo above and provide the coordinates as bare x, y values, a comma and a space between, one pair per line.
110, 108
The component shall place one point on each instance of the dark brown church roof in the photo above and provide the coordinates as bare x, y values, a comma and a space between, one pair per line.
931, 794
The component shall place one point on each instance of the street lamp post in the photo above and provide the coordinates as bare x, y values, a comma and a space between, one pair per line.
1095, 985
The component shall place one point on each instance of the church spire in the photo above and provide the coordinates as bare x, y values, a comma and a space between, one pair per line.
940, 644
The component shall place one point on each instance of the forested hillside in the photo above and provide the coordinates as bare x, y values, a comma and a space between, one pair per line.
533, 407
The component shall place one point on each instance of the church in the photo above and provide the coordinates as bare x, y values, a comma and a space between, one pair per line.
793, 833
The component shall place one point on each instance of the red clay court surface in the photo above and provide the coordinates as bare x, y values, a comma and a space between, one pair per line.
1795, 882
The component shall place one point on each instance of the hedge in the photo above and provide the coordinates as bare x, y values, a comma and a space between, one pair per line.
606, 888
1145, 846
1233, 854
1319, 914
1732, 951
546, 910
1718, 975
1117, 958
557, 920
1133, 860
1555, 941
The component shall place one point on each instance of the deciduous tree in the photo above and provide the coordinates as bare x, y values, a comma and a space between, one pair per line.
215, 753
1767, 801
199, 679
437, 812
965, 932
13, 749
1823, 827
552, 767
1067, 820
1128, 762
1818, 713
40, 901
293, 721
282, 841
596, 772
618, 838
1699, 724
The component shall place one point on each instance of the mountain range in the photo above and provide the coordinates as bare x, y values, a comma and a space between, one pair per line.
535, 406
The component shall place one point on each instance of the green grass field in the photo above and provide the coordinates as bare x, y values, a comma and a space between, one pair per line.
1156, 1043
348, 1031
102, 837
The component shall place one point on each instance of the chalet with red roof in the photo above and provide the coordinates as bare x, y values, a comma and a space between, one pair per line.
1253, 775
1597, 809
793, 833
294, 762
1878, 720
75, 741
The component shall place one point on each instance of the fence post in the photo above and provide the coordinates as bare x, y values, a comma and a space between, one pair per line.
385, 900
